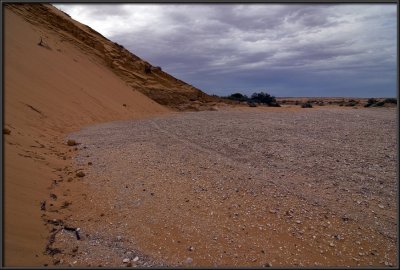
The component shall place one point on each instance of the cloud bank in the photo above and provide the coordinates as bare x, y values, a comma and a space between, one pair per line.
285, 49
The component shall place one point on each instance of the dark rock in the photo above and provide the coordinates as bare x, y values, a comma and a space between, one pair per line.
80, 174
71, 142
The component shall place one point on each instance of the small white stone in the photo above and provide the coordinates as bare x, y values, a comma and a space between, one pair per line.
126, 260
136, 259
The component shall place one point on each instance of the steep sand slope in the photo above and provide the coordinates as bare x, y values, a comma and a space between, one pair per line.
158, 85
48, 92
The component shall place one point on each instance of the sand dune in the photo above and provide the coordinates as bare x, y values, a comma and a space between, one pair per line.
50, 90
158, 85
61, 76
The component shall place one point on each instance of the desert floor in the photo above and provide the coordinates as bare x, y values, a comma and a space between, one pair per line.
237, 187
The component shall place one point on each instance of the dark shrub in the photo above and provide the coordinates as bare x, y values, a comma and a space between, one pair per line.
351, 103
264, 98
238, 97
119, 46
147, 69
156, 68
251, 104
370, 102
391, 100
378, 104
306, 105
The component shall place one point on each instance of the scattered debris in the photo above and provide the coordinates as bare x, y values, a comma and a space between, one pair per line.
43, 205
78, 237
65, 204
43, 44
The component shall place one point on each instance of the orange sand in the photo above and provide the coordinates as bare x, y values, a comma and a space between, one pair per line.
47, 93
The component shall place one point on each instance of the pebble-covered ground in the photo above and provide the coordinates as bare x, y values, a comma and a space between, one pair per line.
315, 187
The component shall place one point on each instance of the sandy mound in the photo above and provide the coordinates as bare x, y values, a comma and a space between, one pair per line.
137, 73
50, 89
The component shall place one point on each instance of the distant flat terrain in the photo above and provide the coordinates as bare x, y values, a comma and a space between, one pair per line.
235, 188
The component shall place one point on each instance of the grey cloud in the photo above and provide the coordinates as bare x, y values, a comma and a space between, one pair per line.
284, 47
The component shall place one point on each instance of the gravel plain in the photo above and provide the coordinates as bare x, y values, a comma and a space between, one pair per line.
315, 187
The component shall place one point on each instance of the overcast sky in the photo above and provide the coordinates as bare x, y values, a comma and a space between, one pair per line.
285, 50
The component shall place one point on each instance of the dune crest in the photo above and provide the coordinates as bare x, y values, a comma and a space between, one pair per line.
158, 85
